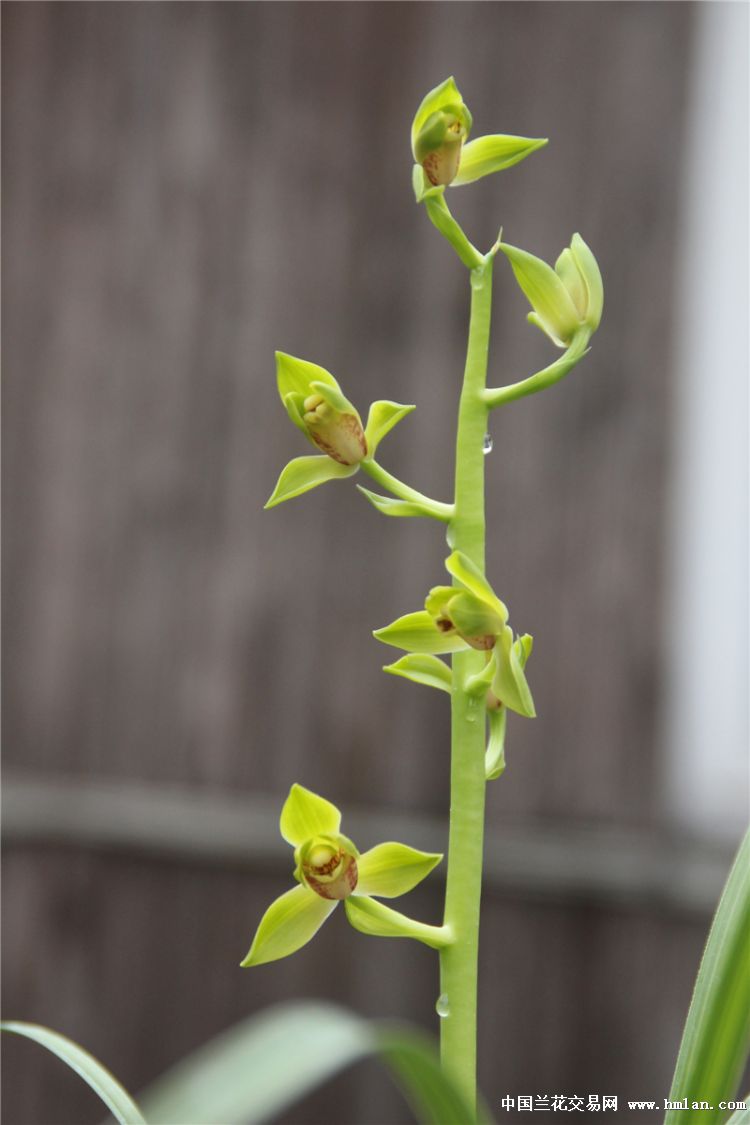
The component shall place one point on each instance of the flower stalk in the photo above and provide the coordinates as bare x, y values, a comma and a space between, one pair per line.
487, 676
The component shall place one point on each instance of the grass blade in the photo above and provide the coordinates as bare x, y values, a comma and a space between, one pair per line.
716, 1039
265, 1064
114, 1096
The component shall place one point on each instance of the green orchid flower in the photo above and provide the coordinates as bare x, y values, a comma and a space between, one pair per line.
567, 300
317, 406
466, 615
439, 134
329, 869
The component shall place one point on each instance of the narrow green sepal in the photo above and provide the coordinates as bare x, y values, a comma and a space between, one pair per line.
494, 758
383, 416
592, 279
376, 919
554, 311
468, 574
391, 869
304, 473
486, 155
392, 507
305, 814
477, 685
417, 632
288, 924
510, 684
422, 668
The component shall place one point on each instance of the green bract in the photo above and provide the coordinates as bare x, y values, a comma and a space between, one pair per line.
466, 615
568, 299
316, 404
441, 126
329, 869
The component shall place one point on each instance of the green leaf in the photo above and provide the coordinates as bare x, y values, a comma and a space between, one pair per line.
422, 669
741, 1116
383, 416
491, 154
417, 632
288, 924
554, 311
716, 1039
469, 574
389, 870
391, 507
117, 1100
305, 815
294, 376
494, 758
304, 473
245, 1077
378, 920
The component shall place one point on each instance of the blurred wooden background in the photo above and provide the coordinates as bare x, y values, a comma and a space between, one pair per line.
188, 187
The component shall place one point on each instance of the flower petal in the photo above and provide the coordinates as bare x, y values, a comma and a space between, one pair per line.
510, 684
287, 925
468, 573
417, 632
392, 869
546, 293
305, 815
304, 473
491, 154
296, 375
494, 758
383, 416
446, 94
423, 669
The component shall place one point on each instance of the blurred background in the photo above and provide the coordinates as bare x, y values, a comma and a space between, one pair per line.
189, 187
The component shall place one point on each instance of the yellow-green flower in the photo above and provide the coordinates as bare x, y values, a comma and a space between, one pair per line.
316, 404
439, 136
329, 869
466, 615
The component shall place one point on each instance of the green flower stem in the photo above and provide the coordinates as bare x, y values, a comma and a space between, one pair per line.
458, 962
440, 217
403, 491
498, 396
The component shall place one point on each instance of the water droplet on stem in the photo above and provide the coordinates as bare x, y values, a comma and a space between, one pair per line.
487, 444
442, 1005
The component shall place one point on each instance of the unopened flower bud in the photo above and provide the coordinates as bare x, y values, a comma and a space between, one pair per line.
328, 866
